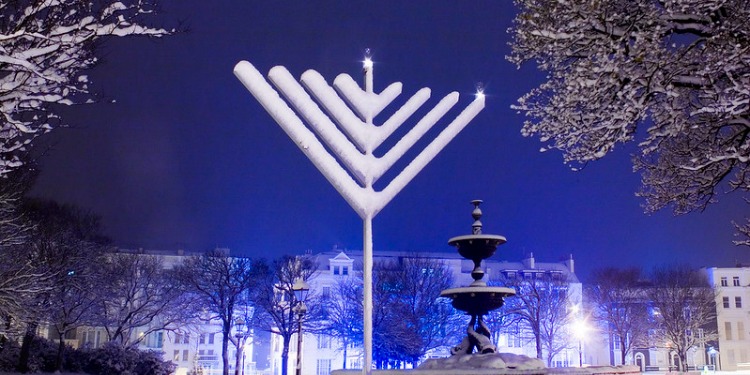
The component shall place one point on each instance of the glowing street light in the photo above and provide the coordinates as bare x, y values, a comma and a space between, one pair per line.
579, 330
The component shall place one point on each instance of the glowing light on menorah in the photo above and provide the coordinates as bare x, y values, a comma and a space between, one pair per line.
355, 139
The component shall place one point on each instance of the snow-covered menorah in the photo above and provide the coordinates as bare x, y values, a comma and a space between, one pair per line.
355, 140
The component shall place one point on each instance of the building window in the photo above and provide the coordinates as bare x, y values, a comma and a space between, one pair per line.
736, 281
725, 302
344, 270
728, 330
177, 338
186, 339
738, 302
326, 291
335, 270
185, 355
324, 367
724, 281
324, 342
211, 338
202, 339
176, 356
616, 342
740, 331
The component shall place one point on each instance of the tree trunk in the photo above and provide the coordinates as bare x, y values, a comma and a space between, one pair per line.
285, 354
238, 356
60, 349
623, 353
225, 349
23, 357
343, 365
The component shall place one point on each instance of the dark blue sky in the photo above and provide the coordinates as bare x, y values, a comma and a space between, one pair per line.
186, 158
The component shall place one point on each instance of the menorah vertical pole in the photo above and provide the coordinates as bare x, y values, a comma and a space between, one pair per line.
367, 246
367, 306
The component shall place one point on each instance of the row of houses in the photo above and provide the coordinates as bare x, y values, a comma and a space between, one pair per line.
197, 349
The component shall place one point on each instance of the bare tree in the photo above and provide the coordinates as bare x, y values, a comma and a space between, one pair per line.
137, 297
432, 317
67, 242
409, 317
678, 68
686, 309
620, 304
222, 285
342, 313
275, 303
45, 48
541, 306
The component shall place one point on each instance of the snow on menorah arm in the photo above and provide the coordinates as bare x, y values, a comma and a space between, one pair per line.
414, 135
429, 153
367, 104
354, 127
327, 130
305, 139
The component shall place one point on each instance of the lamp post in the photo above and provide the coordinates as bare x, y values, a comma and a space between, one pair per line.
241, 337
300, 289
579, 330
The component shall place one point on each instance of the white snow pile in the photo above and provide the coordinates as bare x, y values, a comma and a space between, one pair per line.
484, 361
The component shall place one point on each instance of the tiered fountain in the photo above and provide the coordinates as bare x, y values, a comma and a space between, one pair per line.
477, 299
476, 351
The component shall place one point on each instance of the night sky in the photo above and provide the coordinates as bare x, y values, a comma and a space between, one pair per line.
179, 155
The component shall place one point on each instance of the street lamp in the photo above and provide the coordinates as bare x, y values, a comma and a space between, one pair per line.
241, 337
300, 289
579, 330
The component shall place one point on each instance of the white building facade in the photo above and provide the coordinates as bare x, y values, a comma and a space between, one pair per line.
732, 287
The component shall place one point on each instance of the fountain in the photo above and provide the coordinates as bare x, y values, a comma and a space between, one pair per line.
477, 299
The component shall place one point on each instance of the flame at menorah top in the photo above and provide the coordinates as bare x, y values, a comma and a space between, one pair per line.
342, 116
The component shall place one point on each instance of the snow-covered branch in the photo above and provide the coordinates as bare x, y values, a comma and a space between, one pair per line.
45, 48
681, 68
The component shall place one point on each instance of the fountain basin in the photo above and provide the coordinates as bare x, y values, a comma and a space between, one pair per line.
477, 300
477, 246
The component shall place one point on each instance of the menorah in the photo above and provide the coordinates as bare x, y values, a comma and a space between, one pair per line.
354, 140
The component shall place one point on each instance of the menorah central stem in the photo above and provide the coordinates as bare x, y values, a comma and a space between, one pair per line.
367, 265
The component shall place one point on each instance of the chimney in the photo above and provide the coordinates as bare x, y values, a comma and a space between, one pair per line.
570, 263
529, 261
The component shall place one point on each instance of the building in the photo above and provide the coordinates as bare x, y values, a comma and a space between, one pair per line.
732, 285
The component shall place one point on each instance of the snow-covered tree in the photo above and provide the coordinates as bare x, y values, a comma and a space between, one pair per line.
46, 46
678, 69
